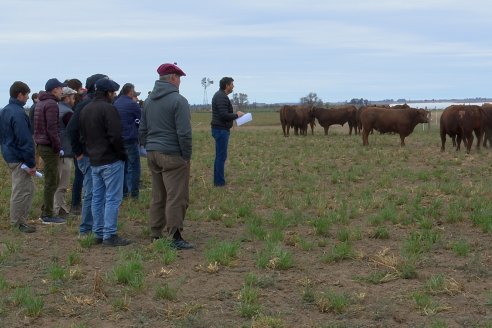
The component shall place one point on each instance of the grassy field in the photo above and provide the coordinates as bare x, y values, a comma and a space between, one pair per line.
313, 231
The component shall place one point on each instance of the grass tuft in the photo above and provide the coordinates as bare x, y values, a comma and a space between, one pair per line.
222, 252
339, 252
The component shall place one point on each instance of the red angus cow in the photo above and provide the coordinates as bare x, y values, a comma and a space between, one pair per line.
287, 116
459, 122
469, 121
448, 124
487, 124
337, 115
297, 117
400, 121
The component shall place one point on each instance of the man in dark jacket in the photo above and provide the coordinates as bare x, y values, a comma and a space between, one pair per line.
81, 156
130, 114
18, 149
78, 177
49, 145
100, 132
165, 131
222, 117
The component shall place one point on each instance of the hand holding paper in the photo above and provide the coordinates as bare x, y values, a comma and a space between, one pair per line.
26, 168
244, 119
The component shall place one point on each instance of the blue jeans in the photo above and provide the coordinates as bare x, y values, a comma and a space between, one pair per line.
107, 193
132, 170
221, 141
85, 167
78, 181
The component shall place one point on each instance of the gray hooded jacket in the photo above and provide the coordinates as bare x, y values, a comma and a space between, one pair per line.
166, 121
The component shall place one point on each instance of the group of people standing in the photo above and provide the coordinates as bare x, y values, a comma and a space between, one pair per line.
101, 135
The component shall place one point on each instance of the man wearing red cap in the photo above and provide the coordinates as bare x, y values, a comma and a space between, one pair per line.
165, 131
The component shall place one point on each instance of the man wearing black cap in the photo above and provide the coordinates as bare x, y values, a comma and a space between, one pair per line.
165, 131
49, 145
81, 156
130, 114
100, 132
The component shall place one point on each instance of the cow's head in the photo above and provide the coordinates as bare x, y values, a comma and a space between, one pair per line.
423, 116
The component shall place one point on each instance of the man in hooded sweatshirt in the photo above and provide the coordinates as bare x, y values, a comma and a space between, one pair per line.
165, 131
49, 145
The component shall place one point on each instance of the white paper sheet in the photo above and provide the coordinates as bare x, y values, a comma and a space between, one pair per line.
244, 119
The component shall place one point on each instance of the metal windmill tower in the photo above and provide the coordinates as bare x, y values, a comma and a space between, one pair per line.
206, 82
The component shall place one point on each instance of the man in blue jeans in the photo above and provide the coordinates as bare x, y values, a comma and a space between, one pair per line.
130, 114
82, 157
222, 117
100, 132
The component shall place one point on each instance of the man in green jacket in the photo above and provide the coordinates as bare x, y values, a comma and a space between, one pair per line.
165, 131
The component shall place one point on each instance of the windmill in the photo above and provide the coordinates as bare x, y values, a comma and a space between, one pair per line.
206, 82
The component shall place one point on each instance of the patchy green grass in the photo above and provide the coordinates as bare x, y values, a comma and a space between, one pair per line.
358, 221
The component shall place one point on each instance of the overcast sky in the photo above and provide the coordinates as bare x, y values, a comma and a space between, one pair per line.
276, 50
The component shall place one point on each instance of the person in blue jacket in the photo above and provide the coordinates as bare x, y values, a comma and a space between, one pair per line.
18, 152
130, 114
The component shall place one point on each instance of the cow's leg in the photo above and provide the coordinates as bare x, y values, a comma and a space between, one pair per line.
479, 135
326, 130
283, 129
469, 142
402, 138
365, 137
443, 140
458, 141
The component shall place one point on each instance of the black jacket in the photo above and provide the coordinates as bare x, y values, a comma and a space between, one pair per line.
73, 127
222, 112
100, 132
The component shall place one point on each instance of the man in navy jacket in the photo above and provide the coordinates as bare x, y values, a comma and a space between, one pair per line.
130, 115
18, 149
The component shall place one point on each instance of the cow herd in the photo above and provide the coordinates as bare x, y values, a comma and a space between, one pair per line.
457, 121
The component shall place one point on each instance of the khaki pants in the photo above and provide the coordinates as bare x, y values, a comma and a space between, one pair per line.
170, 192
22, 194
50, 160
64, 168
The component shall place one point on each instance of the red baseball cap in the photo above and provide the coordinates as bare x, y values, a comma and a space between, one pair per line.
166, 69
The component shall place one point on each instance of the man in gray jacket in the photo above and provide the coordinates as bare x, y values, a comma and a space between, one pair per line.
165, 131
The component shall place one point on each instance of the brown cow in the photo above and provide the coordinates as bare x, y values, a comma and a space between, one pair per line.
469, 121
336, 115
448, 124
297, 117
401, 121
287, 116
459, 122
487, 124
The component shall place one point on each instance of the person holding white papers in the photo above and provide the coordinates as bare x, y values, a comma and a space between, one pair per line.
222, 120
18, 150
